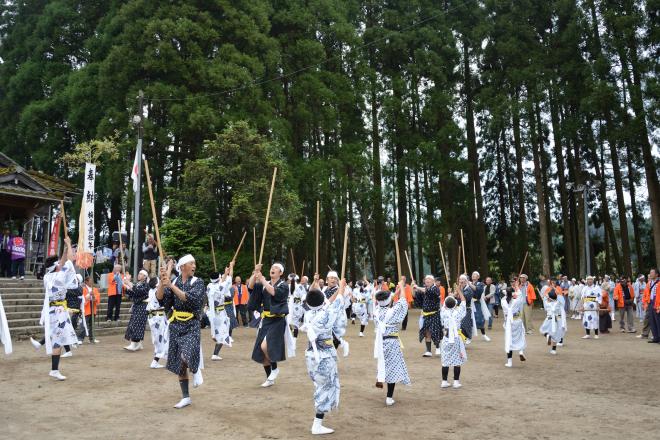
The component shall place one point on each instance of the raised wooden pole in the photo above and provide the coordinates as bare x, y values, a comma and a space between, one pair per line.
463, 247
121, 249
270, 200
343, 258
153, 214
239, 247
215, 264
318, 214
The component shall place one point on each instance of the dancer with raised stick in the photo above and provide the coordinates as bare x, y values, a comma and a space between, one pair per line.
388, 316
274, 340
430, 325
184, 297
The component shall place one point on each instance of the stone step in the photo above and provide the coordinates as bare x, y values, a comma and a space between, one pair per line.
21, 295
30, 322
103, 329
21, 284
20, 289
33, 305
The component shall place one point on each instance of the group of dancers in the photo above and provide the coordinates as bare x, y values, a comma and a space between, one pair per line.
174, 303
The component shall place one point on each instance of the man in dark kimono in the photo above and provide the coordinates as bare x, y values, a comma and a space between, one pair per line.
272, 297
183, 297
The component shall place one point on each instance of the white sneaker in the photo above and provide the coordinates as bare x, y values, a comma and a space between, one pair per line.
13, 278
486, 338
427, 354
197, 378
361, 335
215, 357
80, 342
268, 383
586, 337
345, 348
509, 363
273, 374
37, 345
183, 403
444, 384
319, 429
468, 341
438, 352
155, 365
68, 354
57, 375
456, 384
131, 347
22, 278
596, 337
553, 351
96, 341
560, 344
389, 401
638, 337
139, 346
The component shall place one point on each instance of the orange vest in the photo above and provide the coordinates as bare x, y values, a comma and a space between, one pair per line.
408, 293
531, 295
112, 285
605, 301
646, 299
244, 295
443, 293
97, 300
619, 297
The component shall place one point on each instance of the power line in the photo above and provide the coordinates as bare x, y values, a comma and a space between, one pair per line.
312, 66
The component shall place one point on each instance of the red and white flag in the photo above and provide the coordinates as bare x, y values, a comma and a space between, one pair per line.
134, 172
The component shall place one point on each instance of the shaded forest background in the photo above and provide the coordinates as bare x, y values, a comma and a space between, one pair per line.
412, 117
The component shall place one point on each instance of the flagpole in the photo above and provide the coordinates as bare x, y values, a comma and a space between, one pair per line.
136, 209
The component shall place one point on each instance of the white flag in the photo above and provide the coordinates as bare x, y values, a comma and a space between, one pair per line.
87, 210
134, 172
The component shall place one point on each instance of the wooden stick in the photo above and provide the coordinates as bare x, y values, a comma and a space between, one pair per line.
215, 264
343, 258
444, 265
405, 252
318, 214
270, 200
66, 233
523, 264
459, 262
239, 247
293, 261
302, 271
153, 214
463, 247
121, 248
254, 244
398, 259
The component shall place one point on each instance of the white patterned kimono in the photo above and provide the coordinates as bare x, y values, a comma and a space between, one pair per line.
361, 296
55, 318
220, 321
591, 299
555, 320
5, 337
452, 347
321, 355
391, 367
158, 325
514, 328
296, 309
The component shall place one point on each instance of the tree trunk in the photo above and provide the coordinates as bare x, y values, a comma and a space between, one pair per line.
537, 148
473, 158
520, 176
569, 242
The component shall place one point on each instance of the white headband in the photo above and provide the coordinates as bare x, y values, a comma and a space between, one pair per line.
146, 274
53, 267
332, 274
279, 266
184, 260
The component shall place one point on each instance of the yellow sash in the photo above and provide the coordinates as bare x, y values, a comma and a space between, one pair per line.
181, 316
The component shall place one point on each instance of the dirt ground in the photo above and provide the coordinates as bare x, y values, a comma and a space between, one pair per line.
606, 388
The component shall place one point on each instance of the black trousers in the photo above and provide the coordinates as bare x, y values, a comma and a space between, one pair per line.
404, 324
114, 306
74, 320
5, 264
241, 310
81, 329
